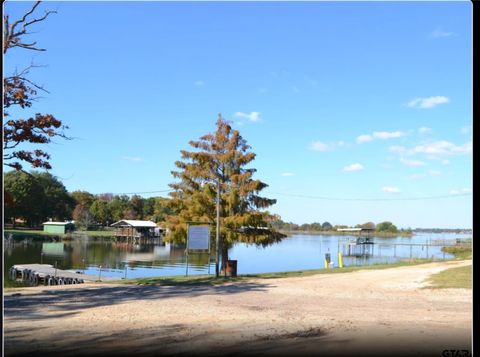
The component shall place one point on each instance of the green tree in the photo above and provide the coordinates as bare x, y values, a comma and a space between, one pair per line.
57, 203
100, 212
26, 196
221, 157
149, 208
305, 227
120, 208
387, 227
83, 198
136, 203
326, 226
368, 225
36, 197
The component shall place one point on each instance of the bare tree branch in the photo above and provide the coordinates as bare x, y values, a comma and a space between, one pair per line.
12, 36
24, 18
21, 91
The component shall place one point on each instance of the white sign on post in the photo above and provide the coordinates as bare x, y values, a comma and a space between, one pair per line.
198, 237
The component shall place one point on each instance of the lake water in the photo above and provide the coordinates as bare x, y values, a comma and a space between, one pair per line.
296, 252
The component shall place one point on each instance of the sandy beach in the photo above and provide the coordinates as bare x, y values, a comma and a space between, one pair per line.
372, 312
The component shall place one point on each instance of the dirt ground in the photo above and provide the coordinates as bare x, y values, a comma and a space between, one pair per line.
367, 312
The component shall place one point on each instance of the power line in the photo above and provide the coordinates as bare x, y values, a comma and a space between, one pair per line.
133, 193
323, 197
371, 199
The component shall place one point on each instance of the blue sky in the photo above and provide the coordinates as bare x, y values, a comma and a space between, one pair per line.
363, 100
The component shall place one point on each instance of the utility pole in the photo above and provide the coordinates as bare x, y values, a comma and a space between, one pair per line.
217, 236
217, 240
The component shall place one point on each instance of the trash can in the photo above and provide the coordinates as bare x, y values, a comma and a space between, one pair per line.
231, 269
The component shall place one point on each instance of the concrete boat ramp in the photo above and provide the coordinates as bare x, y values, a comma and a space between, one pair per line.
46, 274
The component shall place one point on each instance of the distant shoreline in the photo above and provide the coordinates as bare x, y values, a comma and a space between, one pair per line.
335, 233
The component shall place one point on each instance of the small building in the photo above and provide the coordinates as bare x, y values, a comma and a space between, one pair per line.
58, 227
130, 228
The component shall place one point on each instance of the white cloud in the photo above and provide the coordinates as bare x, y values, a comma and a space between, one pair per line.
252, 116
423, 175
443, 147
390, 189
286, 174
330, 146
353, 167
383, 135
411, 163
462, 191
199, 83
435, 149
364, 138
321, 146
424, 130
387, 134
428, 102
132, 158
439, 33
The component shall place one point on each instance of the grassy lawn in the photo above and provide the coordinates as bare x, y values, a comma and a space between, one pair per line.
33, 232
95, 233
453, 278
211, 280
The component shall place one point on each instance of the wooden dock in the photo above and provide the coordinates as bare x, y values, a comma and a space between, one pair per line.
46, 274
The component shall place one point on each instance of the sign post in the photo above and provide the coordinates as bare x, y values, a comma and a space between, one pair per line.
198, 240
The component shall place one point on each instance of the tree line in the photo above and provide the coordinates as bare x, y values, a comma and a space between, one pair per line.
35, 197
382, 227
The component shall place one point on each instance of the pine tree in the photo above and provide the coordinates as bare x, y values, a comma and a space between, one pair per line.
220, 158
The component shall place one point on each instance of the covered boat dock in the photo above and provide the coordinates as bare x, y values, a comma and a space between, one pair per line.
135, 230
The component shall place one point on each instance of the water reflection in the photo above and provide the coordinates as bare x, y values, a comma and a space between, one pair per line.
297, 252
53, 249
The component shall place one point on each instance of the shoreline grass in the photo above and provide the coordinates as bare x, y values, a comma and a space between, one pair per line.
460, 252
33, 232
212, 280
94, 233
